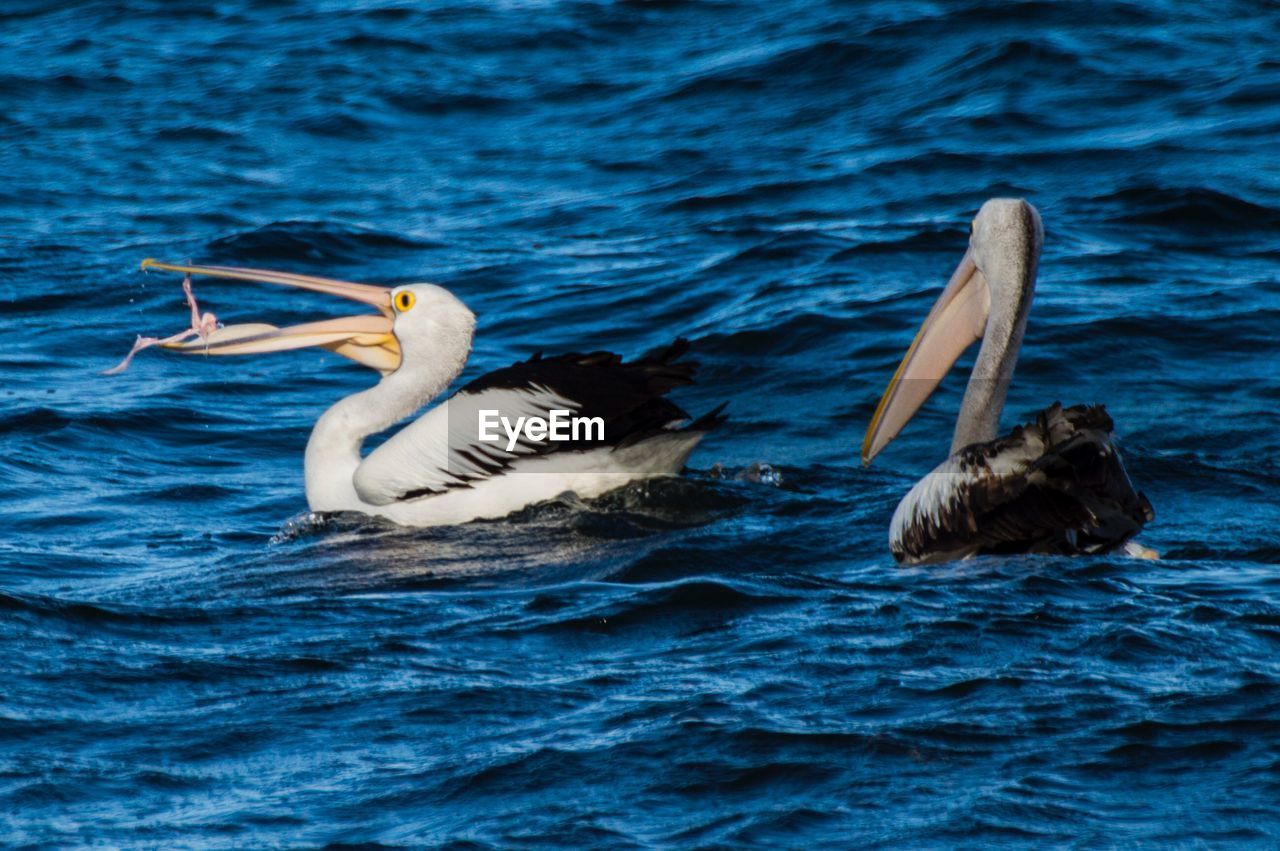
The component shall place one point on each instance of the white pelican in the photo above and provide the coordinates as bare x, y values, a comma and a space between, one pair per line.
436, 470
1056, 485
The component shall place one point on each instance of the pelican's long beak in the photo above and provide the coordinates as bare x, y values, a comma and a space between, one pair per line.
957, 320
366, 339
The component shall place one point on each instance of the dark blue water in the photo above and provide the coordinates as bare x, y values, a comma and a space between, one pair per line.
720, 660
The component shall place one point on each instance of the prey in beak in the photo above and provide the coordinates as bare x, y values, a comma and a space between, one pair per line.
202, 325
366, 339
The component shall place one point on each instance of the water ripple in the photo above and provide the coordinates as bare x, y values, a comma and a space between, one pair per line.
727, 659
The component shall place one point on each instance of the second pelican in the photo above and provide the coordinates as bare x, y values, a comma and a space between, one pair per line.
1056, 485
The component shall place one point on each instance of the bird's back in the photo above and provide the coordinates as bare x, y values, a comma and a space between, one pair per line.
1055, 485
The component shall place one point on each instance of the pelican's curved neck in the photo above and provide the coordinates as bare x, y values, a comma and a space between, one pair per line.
984, 398
333, 451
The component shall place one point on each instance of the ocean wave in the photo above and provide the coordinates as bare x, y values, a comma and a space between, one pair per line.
310, 241
727, 658
1193, 209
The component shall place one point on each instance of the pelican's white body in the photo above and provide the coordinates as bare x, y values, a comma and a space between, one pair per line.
332, 477
435, 337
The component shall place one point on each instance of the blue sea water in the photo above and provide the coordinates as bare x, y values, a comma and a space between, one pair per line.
729, 659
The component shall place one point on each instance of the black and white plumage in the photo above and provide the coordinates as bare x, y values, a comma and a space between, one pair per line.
1056, 485
438, 469
629, 397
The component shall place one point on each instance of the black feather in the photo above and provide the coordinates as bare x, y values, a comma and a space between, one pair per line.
629, 396
1073, 494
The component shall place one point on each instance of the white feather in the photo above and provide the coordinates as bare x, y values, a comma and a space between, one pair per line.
431, 454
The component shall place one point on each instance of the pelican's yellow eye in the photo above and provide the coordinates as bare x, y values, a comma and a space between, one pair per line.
404, 301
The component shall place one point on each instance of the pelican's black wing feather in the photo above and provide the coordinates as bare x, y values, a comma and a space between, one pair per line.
442, 450
630, 396
1056, 485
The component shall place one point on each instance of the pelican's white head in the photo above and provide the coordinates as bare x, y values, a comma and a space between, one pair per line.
432, 327
1005, 242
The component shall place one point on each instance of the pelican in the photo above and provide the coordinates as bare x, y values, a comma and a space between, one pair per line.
438, 469
1055, 485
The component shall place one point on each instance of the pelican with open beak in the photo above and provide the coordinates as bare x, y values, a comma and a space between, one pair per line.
451, 465
1055, 485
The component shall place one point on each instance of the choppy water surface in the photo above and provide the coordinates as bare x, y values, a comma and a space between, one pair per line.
719, 660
